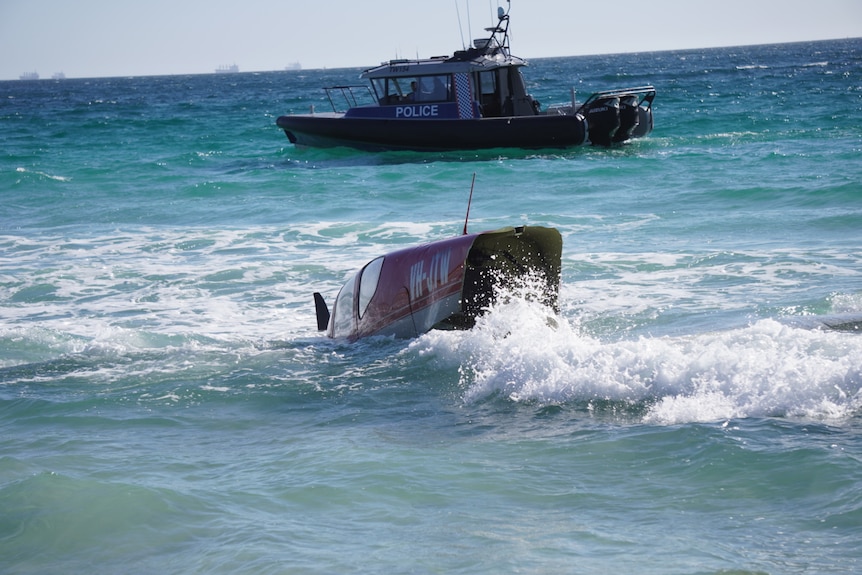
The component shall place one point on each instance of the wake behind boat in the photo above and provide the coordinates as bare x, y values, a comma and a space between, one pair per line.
476, 98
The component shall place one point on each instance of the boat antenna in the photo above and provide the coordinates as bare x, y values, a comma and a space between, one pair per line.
469, 23
469, 201
460, 28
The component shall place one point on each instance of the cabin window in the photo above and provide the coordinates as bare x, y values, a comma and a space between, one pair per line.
388, 90
432, 88
488, 83
342, 313
409, 89
368, 279
489, 94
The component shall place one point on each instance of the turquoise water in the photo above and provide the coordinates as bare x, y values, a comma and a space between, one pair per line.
166, 404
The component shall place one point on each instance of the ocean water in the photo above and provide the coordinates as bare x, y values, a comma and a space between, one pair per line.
167, 405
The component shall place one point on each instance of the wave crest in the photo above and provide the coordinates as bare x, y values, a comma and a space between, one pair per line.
520, 350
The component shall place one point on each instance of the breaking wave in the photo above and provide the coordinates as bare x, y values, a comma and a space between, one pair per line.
525, 353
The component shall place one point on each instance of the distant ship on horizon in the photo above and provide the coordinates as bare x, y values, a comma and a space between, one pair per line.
58, 76
232, 69
29, 76
293, 66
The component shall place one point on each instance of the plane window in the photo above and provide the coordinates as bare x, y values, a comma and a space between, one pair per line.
342, 313
368, 280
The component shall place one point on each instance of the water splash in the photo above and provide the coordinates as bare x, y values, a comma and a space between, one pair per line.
521, 351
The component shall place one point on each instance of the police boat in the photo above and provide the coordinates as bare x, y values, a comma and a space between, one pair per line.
474, 99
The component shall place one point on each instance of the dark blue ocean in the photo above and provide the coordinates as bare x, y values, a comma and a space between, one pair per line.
167, 405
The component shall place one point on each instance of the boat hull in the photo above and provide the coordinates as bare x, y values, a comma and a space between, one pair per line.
376, 134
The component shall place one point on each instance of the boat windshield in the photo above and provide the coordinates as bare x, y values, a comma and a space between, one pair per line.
407, 89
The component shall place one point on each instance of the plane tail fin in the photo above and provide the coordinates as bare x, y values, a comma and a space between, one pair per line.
322, 311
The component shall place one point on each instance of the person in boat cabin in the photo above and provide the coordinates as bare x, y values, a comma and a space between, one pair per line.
411, 97
429, 89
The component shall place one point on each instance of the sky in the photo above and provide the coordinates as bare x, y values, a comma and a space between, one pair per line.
92, 38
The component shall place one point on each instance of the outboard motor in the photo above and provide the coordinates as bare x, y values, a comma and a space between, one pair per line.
603, 116
645, 122
629, 117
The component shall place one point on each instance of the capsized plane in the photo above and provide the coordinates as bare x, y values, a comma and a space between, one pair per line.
441, 285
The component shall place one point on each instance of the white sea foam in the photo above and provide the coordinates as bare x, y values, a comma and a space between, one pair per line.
221, 291
152, 288
625, 283
43, 175
762, 370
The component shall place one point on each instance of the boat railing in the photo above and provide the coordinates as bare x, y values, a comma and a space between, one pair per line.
645, 94
348, 95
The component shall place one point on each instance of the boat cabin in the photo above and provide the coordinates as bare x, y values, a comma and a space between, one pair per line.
482, 82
